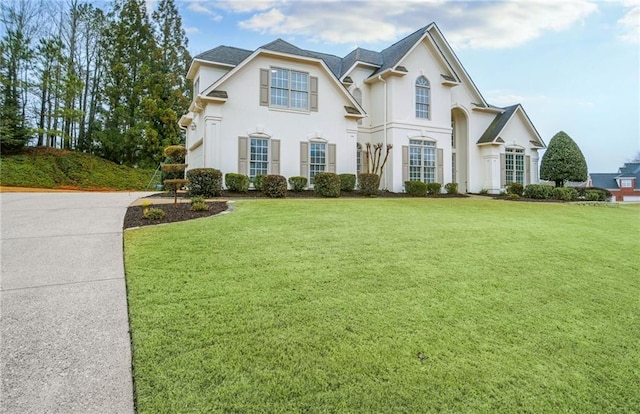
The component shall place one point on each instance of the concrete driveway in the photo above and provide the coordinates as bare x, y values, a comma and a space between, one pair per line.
65, 345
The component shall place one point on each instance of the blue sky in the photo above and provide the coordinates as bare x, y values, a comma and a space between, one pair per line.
574, 65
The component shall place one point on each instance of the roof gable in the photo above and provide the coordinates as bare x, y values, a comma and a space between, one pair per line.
224, 54
492, 134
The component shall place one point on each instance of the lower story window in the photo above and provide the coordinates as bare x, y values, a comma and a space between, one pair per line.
514, 165
359, 168
259, 163
422, 161
317, 159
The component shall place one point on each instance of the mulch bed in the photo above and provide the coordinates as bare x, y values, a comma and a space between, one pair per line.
135, 218
307, 194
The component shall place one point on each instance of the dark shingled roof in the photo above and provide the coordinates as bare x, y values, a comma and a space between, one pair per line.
333, 62
497, 125
392, 55
352, 110
604, 180
361, 55
609, 180
218, 94
225, 54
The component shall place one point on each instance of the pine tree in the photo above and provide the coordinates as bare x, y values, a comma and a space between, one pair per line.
130, 48
170, 90
563, 161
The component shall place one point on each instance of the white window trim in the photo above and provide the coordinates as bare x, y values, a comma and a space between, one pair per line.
325, 142
515, 150
289, 90
415, 97
261, 137
434, 143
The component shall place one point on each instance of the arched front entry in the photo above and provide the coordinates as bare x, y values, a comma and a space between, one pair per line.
460, 149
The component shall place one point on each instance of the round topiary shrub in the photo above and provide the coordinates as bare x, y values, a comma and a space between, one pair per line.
347, 182
451, 188
274, 186
538, 191
515, 188
176, 152
206, 182
327, 184
368, 183
298, 183
238, 183
415, 188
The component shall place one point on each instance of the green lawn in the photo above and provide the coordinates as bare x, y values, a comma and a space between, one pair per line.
388, 305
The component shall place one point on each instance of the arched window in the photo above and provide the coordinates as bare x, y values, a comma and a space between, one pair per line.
423, 98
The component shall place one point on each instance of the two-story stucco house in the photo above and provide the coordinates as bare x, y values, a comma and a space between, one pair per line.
283, 110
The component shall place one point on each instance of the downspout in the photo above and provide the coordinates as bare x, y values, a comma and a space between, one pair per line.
384, 187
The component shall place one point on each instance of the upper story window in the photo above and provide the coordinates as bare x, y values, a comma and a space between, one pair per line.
196, 87
626, 182
423, 98
289, 89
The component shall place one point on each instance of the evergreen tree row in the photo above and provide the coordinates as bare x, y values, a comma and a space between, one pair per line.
110, 82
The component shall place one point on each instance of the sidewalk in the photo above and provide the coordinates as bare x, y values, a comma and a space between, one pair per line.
64, 325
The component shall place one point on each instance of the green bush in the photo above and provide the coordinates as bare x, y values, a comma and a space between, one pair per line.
593, 195
603, 194
327, 184
199, 206
538, 191
196, 199
206, 182
257, 182
484, 191
298, 183
368, 183
238, 183
451, 188
415, 188
565, 193
515, 188
513, 196
434, 188
176, 152
274, 186
152, 213
347, 182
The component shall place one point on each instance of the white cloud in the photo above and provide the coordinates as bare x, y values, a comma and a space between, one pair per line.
191, 30
199, 7
630, 23
506, 98
494, 24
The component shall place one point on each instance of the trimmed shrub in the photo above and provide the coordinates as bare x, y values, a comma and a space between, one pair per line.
347, 182
538, 191
238, 183
513, 196
484, 191
368, 183
206, 182
176, 152
415, 188
565, 193
603, 194
152, 213
451, 188
515, 188
327, 184
434, 188
198, 204
257, 182
298, 183
593, 195
274, 186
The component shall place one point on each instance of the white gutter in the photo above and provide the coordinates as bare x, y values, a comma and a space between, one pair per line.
384, 186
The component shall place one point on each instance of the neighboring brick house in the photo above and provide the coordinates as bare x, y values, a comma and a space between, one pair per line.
624, 185
283, 110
